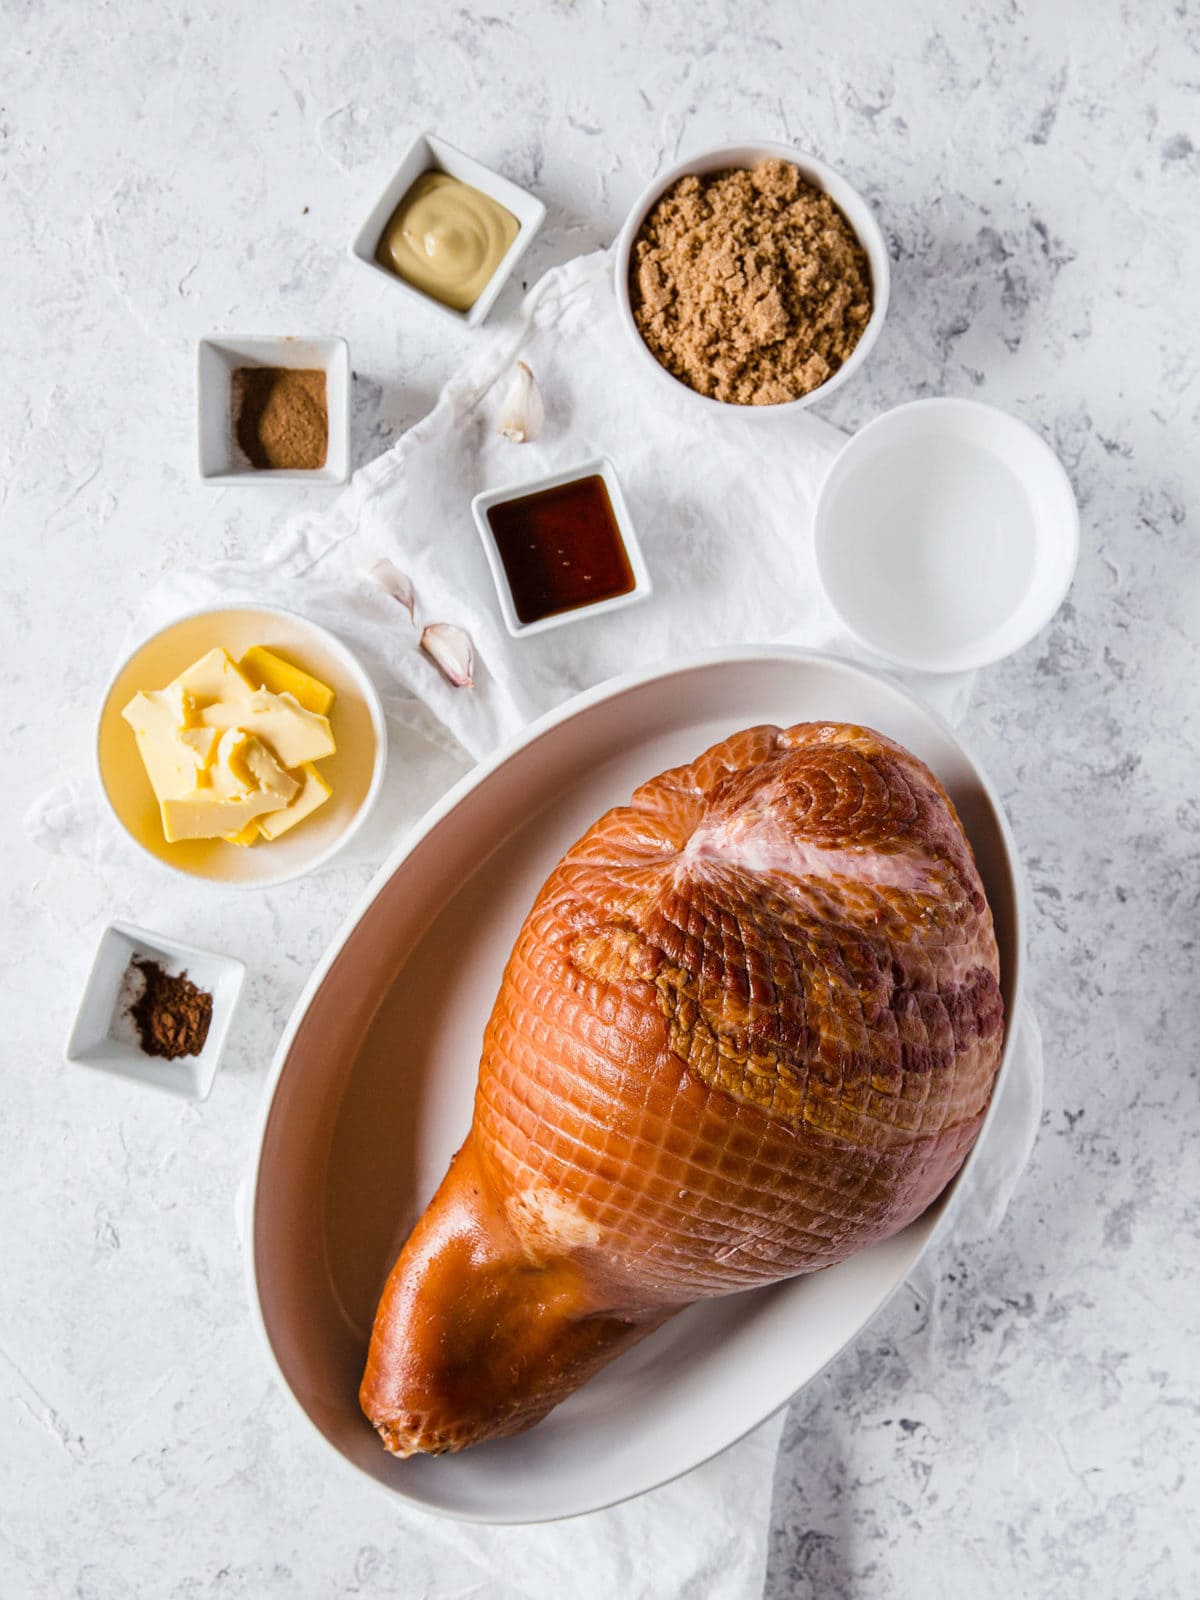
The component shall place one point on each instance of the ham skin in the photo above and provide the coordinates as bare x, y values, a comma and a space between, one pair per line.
750, 1026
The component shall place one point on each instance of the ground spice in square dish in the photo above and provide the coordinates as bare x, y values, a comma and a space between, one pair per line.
172, 1015
281, 417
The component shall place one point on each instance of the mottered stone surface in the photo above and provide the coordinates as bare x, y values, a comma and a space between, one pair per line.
1031, 1428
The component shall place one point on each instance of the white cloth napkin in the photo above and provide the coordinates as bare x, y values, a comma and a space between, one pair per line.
723, 510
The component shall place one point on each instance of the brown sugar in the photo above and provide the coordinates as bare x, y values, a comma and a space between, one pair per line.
749, 285
281, 418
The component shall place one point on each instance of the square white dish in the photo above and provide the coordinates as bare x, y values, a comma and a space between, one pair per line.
220, 459
430, 154
599, 467
104, 1036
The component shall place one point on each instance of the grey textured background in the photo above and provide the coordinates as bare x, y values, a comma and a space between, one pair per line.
1033, 1429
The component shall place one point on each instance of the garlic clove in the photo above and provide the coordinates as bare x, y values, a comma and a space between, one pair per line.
394, 582
523, 412
450, 648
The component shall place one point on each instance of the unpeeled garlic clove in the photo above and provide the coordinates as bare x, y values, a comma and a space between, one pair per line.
394, 582
522, 413
450, 648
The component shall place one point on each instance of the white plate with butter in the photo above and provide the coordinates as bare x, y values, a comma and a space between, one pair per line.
191, 649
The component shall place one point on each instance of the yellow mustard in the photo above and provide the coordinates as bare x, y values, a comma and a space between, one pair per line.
446, 238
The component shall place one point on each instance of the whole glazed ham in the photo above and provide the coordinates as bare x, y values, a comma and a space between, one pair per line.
750, 1026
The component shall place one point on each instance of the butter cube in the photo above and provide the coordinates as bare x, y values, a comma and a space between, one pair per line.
203, 741
244, 763
159, 711
245, 781
170, 766
205, 814
279, 720
215, 676
314, 792
266, 670
174, 762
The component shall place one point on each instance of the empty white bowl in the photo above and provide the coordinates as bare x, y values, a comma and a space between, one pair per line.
599, 467
221, 458
428, 154
848, 201
105, 1036
946, 535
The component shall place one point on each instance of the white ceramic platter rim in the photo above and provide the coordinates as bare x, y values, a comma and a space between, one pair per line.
613, 689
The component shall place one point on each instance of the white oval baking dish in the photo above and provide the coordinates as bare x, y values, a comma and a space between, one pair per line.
372, 1085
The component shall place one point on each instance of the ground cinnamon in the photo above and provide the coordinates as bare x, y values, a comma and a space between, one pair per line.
172, 1015
281, 416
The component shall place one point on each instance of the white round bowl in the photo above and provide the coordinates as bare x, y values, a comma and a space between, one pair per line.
946, 535
355, 770
843, 194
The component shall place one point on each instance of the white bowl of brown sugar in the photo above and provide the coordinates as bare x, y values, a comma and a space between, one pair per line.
752, 276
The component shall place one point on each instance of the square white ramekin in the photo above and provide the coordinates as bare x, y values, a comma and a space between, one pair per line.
426, 154
601, 467
103, 1036
221, 461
